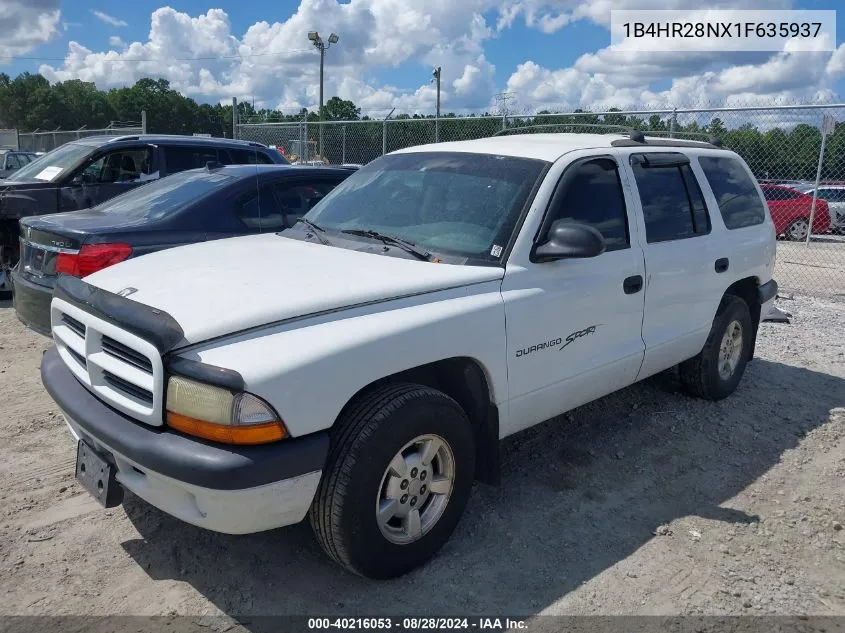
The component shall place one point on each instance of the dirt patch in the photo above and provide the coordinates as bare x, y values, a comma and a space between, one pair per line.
645, 502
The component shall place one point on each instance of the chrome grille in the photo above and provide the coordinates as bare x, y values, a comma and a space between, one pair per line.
119, 367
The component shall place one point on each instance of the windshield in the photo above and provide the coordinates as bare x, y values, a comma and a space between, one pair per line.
160, 198
53, 164
456, 203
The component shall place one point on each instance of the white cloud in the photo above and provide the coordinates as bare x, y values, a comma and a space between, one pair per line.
115, 41
25, 24
108, 19
552, 15
276, 65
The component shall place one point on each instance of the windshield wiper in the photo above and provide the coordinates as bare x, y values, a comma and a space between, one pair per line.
408, 247
315, 227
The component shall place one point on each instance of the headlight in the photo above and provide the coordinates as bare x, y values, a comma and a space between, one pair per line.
217, 414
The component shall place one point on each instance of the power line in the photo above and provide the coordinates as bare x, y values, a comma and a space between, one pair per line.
502, 101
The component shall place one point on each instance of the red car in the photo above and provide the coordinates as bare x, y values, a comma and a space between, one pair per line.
790, 210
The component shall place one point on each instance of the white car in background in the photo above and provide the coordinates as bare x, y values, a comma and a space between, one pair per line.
835, 197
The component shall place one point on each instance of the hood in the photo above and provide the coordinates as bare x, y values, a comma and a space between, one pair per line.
224, 286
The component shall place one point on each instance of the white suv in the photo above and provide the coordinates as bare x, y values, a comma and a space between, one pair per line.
362, 367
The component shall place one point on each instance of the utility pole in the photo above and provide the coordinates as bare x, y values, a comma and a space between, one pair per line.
436, 74
502, 100
322, 47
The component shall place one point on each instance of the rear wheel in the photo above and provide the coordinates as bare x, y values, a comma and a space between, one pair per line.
716, 371
398, 478
797, 230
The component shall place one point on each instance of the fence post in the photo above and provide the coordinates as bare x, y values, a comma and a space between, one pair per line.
17, 139
343, 153
306, 147
384, 137
673, 123
143, 121
234, 117
824, 131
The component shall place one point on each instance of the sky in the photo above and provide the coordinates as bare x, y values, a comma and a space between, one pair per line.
545, 54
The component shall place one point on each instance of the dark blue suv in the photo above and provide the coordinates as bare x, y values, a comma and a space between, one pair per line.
91, 170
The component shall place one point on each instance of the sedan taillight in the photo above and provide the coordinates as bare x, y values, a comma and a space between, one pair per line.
91, 258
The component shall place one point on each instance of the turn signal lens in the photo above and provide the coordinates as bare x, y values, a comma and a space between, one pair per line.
217, 414
91, 258
252, 434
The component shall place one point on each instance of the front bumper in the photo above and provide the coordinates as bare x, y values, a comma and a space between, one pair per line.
230, 489
32, 303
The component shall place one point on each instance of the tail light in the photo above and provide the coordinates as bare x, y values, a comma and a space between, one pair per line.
91, 258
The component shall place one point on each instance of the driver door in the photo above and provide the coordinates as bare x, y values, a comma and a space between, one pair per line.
109, 174
574, 326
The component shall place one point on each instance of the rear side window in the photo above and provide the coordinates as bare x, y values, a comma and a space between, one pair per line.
249, 157
180, 158
260, 210
673, 206
594, 196
734, 191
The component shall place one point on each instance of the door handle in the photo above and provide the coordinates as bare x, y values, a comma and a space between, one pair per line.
632, 285
722, 264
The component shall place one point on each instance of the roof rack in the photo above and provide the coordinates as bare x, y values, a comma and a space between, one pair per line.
518, 130
635, 137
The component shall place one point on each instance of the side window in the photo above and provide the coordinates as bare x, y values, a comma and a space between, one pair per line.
181, 157
13, 161
297, 199
673, 206
124, 165
831, 195
249, 157
594, 196
735, 193
259, 210
780, 193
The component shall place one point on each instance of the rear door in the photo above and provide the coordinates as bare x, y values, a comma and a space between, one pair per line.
683, 264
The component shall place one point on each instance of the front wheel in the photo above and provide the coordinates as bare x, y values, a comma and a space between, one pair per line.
398, 478
717, 369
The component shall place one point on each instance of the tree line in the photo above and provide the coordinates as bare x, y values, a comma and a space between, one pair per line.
29, 102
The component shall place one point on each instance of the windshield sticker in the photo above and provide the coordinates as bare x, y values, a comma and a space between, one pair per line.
496, 251
48, 173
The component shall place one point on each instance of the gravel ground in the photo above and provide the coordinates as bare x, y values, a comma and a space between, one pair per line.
646, 502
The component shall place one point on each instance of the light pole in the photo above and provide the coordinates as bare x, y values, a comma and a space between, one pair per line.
322, 47
436, 75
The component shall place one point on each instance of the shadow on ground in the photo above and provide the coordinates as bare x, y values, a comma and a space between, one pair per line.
579, 494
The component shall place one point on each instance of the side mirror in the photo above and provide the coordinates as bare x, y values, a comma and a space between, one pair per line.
78, 180
568, 240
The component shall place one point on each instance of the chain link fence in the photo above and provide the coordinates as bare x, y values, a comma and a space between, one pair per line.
783, 145
46, 141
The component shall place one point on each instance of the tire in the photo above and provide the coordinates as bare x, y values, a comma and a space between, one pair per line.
797, 230
705, 375
367, 438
